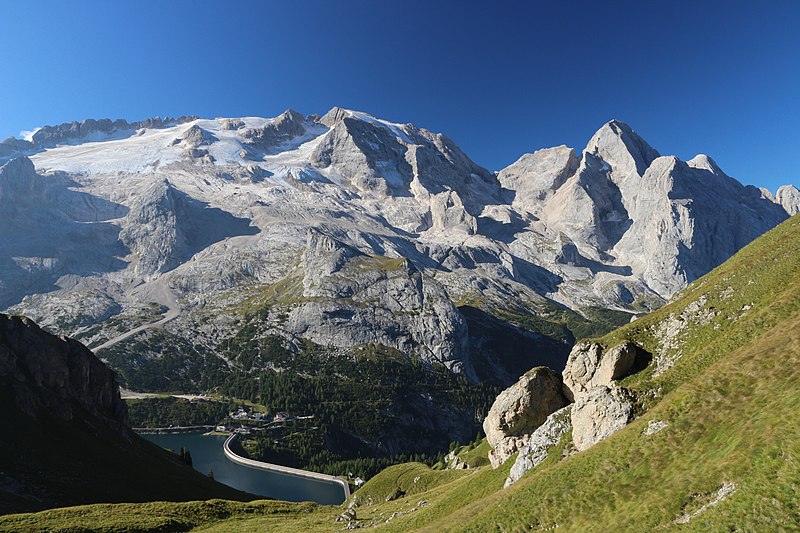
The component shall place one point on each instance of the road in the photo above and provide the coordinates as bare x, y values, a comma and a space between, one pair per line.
283, 469
160, 293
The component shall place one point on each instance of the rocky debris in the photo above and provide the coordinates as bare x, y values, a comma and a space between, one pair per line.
55, 378
519, 410
724, 491
598, 414
348, 515
654, 426
669, 331
590, 365
453, 462
535, 448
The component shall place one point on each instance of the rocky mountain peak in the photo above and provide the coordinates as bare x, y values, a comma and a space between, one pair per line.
704, 162
290, 115
265, 139
12, 145
336, 114
620, 146
17, 166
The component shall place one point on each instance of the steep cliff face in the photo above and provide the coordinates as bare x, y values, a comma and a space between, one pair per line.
56, 378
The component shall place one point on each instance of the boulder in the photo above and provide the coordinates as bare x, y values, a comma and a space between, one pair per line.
535, 449
599, 413
589, 365
519, 410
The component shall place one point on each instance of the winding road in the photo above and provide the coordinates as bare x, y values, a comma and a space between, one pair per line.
160, 293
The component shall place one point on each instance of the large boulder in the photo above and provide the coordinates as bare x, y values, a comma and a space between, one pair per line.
536, 447
599, 413
589, 365
519, 410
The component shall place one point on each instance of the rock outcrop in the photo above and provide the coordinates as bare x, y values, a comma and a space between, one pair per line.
598, 414
590, 365
350, 299
535, 448
153, 233
519, 410
600, 407
165, 227
54, 378
91, 129
263, 140
788, 196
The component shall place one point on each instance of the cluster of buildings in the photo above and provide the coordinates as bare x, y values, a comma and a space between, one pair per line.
242, 414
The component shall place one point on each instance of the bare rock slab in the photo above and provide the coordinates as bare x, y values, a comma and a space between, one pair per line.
519, 410
598, 414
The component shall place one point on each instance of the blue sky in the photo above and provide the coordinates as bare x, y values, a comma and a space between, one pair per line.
500, 78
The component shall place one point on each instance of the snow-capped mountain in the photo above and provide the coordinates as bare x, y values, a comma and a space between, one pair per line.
360, 231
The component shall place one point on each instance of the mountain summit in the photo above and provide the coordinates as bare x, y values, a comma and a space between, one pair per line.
194, 216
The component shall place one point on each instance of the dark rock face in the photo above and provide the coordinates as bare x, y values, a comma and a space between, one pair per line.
53, 377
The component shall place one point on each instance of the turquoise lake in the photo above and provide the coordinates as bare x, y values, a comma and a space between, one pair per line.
207, 455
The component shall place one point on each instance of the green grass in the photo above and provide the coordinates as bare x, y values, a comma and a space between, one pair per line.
731, 402
154, 516
476, 456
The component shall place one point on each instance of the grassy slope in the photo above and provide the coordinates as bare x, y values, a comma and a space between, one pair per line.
732, 402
